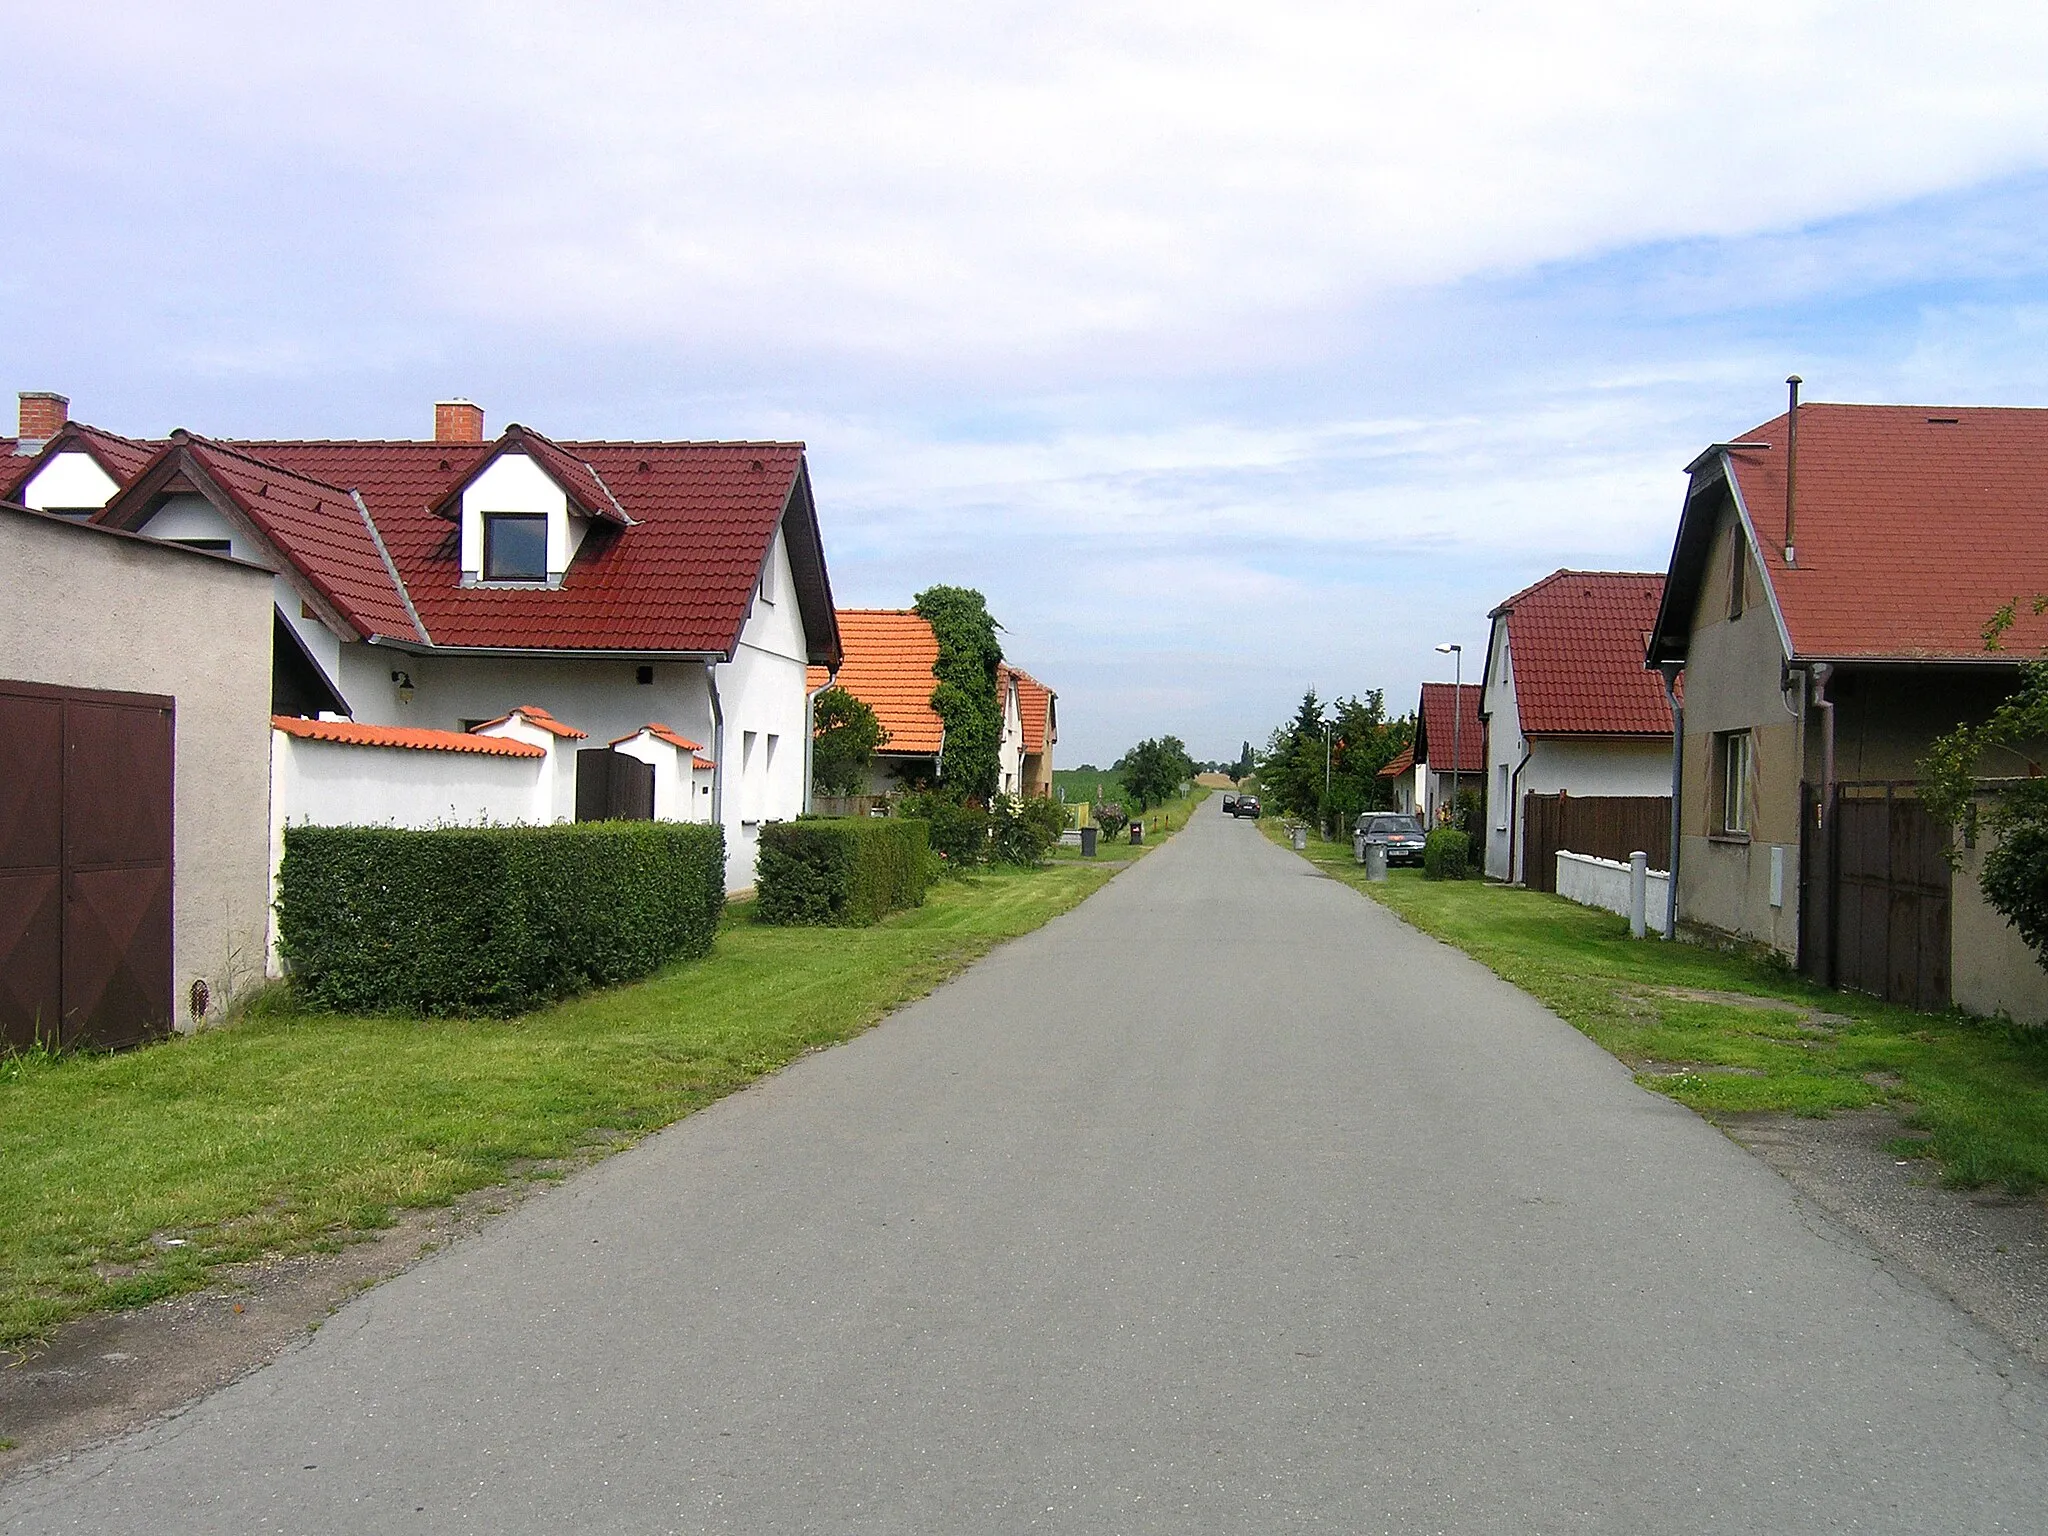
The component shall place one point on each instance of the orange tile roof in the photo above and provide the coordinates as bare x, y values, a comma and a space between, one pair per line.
533, 714
350, 733
702, 764
890, 653
1034, 708
661, 732
1402, 762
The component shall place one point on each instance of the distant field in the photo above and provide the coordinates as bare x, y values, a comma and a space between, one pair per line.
1090, 784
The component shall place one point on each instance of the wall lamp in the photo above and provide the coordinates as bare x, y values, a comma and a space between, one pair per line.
404, 681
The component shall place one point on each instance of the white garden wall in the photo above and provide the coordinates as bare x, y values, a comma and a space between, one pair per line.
1603, 883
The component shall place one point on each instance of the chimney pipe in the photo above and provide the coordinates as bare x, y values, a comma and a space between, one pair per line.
458, 421
43, 415
1792, 384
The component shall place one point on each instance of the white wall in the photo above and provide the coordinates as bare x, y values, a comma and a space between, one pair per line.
1504, 749
1603, 883
68, 481
762, 691
678, 795
1587, 768
514, 483
1010, 756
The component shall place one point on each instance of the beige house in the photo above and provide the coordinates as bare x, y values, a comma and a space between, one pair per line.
135, 702
1823, 615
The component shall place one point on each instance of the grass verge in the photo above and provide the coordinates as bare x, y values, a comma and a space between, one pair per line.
1161, 822
1727, 1033
132, 1177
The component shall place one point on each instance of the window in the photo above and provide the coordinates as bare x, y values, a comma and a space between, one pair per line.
211, 546
1738, 571
1500, 798
515, 546
767, 585
1731, 774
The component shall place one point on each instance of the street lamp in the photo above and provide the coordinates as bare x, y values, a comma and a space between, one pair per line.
1329, 824
1457, 718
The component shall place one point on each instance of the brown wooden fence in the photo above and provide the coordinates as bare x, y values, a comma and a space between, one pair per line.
1604, 826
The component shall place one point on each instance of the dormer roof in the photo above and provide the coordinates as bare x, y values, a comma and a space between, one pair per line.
579, 479
123, 458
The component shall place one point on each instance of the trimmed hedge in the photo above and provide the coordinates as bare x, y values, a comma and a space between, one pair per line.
844, 870
1446, 854
492, 920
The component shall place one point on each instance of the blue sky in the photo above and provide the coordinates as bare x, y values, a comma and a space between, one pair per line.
1229, 350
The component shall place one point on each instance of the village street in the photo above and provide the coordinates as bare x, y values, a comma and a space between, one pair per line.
1225, 1203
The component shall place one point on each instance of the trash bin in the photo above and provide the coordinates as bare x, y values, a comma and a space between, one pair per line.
1301, 839
1375, 861
1137, 833
1088, 836
1358, 847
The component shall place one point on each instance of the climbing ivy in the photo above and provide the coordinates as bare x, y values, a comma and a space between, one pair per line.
966, 696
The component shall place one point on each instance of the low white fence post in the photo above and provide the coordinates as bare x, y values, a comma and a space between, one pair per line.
1638, 893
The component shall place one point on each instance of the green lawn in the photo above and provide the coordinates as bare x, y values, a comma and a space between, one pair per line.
1724, 1032
125, 1178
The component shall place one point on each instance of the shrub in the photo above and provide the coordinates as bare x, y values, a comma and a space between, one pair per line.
958, 829
847, 871
1111, 818
493, 920
843, 749
1446, 854
1024, 831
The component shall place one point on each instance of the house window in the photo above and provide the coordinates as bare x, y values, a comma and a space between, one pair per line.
211, 546
1500, 815
1732, 766
515, 546
767, 584
1738, 573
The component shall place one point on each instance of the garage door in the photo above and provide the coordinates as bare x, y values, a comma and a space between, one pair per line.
85, 866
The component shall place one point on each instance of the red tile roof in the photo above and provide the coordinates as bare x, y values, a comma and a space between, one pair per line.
348, 733
585, 487
1575, 654
1436, 731
661, 732
534, 715
321, 527
1034, 703
890, 653
1403, 761
1913, 525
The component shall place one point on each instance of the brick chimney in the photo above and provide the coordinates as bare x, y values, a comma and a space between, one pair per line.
455, 421
43, 415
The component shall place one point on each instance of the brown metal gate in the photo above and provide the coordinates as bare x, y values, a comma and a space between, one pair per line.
1602, 826
85, 866
1882, 920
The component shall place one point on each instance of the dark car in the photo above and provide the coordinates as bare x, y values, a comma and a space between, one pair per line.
1247, 805
1230, 804
1400, 835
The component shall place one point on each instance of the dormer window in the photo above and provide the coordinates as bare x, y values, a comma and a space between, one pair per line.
515, 546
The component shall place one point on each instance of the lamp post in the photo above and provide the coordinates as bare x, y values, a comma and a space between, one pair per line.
1328, 727
1457, 653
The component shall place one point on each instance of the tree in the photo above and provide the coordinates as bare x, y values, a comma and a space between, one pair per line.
2014, 875
965, 697
847, 737
1242, 768
1316, 775
1153, 771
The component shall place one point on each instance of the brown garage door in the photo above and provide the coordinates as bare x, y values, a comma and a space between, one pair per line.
85, 866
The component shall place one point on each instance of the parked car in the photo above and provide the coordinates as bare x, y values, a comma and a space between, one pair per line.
1230, 803
1402, 836
1247, 805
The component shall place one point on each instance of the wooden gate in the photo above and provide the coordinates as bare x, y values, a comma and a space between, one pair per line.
1602, 826
610, 786
1883, 921
85, 866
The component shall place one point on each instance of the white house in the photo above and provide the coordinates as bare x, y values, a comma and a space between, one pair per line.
640, 593
1569, 708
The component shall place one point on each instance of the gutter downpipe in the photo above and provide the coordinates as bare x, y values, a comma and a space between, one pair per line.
811, 732
1515, 815
1670, 671
1823, 675
717, 746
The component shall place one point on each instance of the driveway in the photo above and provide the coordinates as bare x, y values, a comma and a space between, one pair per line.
1225, 1203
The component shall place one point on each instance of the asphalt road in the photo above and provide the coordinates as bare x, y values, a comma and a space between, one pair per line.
1224, 1204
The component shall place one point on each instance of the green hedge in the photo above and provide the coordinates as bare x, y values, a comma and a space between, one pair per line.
491, 920
1446, 854
846, 871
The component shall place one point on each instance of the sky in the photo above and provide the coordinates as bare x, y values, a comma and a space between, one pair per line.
1229, 350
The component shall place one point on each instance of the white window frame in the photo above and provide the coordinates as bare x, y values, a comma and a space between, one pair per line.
1734, 764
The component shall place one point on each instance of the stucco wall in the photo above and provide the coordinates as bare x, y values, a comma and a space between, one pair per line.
1504, 748
1991, 970
82, 608
1605, 883
1731, 683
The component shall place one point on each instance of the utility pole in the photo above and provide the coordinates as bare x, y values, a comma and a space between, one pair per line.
1457, 718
